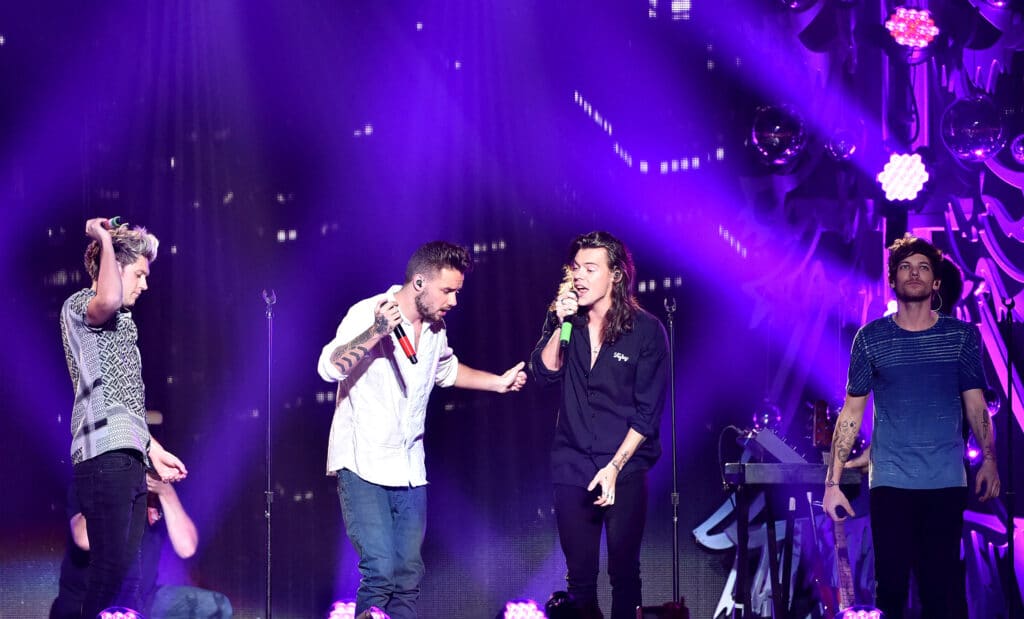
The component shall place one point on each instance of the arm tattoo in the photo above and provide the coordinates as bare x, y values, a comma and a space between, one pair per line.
620, 461
380, 326
346, 356
843, 440
983, 440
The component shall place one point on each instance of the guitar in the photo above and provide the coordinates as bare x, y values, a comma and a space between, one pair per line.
847, 597
834, 601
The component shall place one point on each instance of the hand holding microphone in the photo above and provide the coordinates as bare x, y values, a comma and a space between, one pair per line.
565, 306
387, 319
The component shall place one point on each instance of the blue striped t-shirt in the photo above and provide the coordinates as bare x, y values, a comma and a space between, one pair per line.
917, 378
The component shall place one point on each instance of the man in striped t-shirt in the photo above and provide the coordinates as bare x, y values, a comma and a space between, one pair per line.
926, 374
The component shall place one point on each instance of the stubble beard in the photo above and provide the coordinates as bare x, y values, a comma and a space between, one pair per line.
907, 297
423, 310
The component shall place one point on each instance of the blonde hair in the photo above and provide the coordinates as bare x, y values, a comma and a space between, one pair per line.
129, 245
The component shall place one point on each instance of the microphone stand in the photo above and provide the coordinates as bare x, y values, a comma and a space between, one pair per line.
1011, 585
270, 298
670, 310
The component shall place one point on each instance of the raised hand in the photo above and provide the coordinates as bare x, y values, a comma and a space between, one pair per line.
513, 379
98, 228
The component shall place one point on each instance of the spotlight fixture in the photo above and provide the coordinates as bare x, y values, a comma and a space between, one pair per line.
903, 176
912, 27
119, 612
861, 612
522, 609
347, 610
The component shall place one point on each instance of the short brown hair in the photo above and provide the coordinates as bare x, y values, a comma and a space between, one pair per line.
436, 255
908, 246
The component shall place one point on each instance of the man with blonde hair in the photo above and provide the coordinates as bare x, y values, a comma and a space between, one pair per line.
111, 447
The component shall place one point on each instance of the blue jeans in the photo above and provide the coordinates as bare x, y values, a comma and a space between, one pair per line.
180, 602
386, 526
111, 490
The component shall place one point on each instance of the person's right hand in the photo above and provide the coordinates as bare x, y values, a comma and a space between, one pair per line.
834, 499
386, 317
566, 305
98, 228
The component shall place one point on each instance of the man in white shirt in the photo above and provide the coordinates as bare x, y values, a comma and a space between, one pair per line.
376, 441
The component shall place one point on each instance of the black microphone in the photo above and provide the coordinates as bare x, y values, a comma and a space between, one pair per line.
566, 332
403, 341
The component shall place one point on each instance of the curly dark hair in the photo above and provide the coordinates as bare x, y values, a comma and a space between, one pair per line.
909, 245
621, 318
436, 255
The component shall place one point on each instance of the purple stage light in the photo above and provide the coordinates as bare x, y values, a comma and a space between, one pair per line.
903, 177
861, 612
523, 609
347, 610
119, 612
911, 27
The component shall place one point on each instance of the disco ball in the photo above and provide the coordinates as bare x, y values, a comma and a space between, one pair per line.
778, 134
972, 129
798, 5
1017, 149
767, 416
842, 145
993, 401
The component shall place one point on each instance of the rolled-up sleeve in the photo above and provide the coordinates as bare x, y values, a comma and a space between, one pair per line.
651, 379
540, 372
447, 366
356, 321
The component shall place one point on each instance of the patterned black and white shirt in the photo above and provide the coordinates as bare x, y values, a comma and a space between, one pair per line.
106, 371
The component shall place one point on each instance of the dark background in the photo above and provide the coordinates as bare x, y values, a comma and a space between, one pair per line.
309, 147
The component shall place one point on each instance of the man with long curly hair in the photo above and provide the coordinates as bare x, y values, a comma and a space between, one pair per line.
613, 370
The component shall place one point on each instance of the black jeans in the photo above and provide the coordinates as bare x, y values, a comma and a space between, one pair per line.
919, 531
579, 528
111, 489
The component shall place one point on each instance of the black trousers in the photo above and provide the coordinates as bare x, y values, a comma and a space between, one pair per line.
111, 489
580, 524
919, 531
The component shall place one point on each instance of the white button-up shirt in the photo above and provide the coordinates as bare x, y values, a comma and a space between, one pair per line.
377, 430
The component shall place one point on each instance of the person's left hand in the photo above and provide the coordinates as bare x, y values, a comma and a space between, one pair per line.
513, 379
606, 479
988, 475
167, 465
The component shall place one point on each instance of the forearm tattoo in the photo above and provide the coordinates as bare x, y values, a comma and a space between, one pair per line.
619, 461
983, 440
843, 440
346, 356
380, 326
